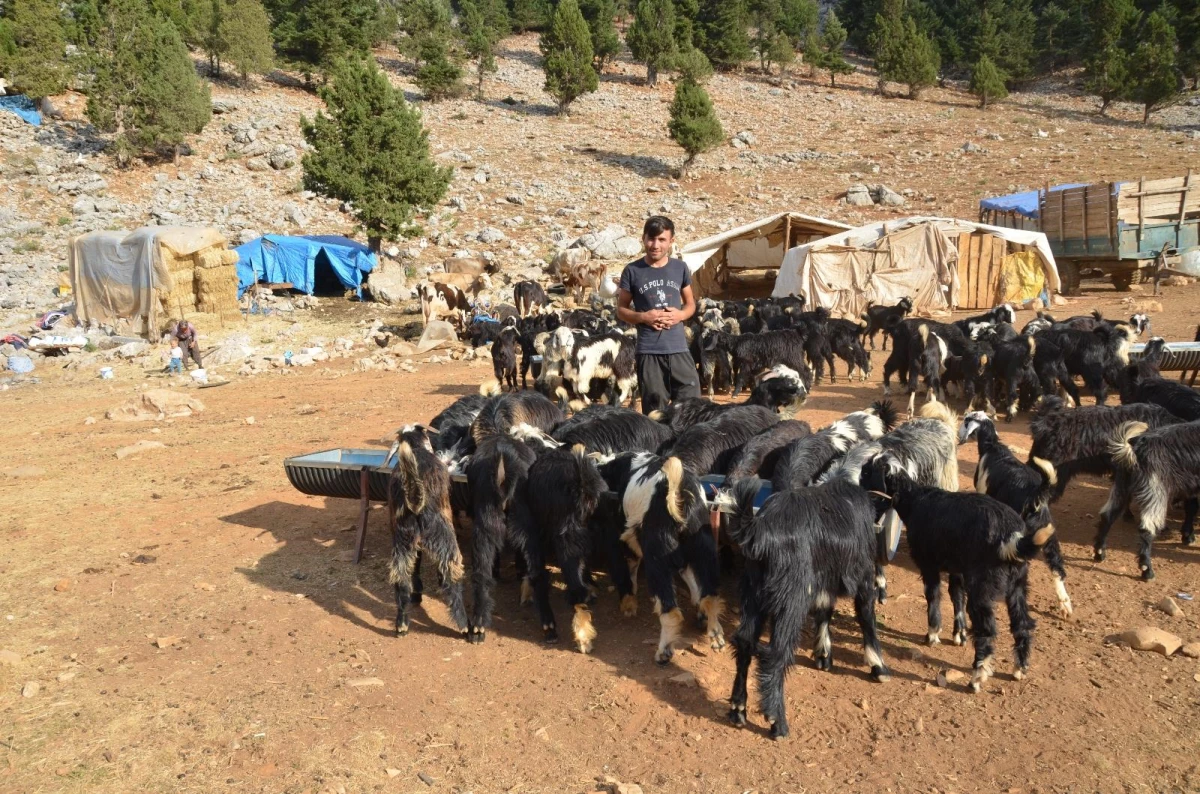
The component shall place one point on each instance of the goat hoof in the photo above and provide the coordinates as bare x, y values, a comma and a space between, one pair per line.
549, 634
716, 641
416, 599
662, 657
933, 639
629, 606
737, 715
475, 635
1148, 575
1188, 540
824, 663
779, 730
960, 637
1019, 673
1098, 555
401, 629
880, 674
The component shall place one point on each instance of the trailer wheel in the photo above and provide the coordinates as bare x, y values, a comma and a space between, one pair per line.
1068, 274
1124, 279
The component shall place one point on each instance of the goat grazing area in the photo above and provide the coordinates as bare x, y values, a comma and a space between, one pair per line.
184, 620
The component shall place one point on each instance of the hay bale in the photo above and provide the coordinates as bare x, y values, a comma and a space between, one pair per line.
210, 258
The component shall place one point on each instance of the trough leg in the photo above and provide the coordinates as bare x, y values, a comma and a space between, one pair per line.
364, 490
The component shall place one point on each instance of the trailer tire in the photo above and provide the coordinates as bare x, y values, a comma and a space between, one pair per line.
1068, 274
1122, 280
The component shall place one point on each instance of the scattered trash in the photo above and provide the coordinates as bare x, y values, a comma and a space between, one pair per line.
106, 373
1184, 596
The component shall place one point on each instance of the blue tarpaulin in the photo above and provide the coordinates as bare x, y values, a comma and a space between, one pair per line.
1026, 203
23, 106
277, 259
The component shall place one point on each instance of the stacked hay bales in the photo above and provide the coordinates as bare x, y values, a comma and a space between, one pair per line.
203, 286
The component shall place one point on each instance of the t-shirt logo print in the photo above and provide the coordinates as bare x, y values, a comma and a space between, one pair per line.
662, 298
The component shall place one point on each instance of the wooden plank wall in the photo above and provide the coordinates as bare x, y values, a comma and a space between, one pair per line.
980, 258
1078, 213
1162, 199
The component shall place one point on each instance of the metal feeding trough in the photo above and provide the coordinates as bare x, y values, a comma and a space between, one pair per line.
1179, 356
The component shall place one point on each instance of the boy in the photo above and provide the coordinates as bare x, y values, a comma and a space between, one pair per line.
655, 294
176, 357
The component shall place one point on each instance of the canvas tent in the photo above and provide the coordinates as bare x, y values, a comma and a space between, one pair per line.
743, 262
939, 263
303, 262
151, 276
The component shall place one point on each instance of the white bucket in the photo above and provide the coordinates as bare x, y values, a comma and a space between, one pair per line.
200, 375
106, 373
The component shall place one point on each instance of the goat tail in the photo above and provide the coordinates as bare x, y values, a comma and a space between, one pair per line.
923, 332
657, 416
1045, 491
1022, 545
888, 416
672, 470
1120, 448
940, 411
742, 493
490, 388
1032, 345
1096, 313
410, 478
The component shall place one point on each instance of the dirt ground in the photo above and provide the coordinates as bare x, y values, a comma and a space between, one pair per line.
278, 670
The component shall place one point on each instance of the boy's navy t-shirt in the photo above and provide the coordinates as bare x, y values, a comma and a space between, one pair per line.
657, 288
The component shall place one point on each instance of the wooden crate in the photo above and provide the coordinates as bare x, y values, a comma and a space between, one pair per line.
980, 260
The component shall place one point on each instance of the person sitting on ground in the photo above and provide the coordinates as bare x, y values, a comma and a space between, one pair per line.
185, 333
176, 357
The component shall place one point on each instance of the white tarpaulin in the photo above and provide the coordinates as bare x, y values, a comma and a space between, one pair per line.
889, 260
114, 274
697, 253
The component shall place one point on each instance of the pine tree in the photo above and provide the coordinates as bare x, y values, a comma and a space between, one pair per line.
651, 37
693, 65
1107, 67
903, 54
315, 33
686, 34
429, 40
796, 19
371, 150
249, 37
36, 61
721, 29
146, 89
567, 56
763, 18
814, 52
693, 125
481, 40
606, 43
1155, 76
1187, 27
833, 40
530, 14
213, 33
987, 81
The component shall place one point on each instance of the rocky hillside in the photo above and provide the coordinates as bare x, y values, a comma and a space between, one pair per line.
528, 181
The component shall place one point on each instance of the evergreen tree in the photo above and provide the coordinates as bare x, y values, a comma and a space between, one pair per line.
833, 39
429, 40
987, 81
1107, 68
721, 29
213, 38
693, 65
370, 149
1155, 76
686, 14
86, 24
495, 15
606, 44
903, 54
8, 44
567, 56
249, 37
315, 33
36, 60
651, 37
796, 19
481, 39
530, 14
146, 89
763, 18
693, 125
814, 52
1187, 27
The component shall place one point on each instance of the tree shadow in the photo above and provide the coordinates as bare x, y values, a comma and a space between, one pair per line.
643, 165
530, 59
75, 137
523, 107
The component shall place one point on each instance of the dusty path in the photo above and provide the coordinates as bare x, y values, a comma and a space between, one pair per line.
279, 671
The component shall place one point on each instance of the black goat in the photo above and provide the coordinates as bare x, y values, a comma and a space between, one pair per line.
759, 455
504, 358
529, 297
422, 522
713, 351
1096, 356
612, 429
928, 361
845, 341
753, 353
884, 318
803, 550
1076, 441
702, 447
531, 329
501, 412
1153, 468
981, 543
1025, 487
667, 528
1142, 383
452, 436
780, 388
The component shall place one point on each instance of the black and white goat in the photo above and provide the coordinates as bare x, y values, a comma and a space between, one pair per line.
927, 361
1152, 468
1097, 356
981, 543
971, 327
884, 318
753, 353
1076, 441
802, 461
422, 522
667, 528
780, 388
804, 549
555, 353
529, 297
609, 358
1025, 487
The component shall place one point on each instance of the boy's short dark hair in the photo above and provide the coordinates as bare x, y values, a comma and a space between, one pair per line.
656, 225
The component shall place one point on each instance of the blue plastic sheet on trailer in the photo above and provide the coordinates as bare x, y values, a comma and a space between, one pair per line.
1022, 203
23, 106
276, 259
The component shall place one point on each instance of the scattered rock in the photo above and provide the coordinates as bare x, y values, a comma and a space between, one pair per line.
258, 164
138, 448
156, 404
205, 586
973, 148
1169, 606
67, 676
1148, 638
358, 683
9, 657
426, 779
884, 195
133, 350
166, 642
1191, 650
859, 196
62, 585
393, 772
542, 734
684, 679
31, 689
1176, 281
282, 157
490, 235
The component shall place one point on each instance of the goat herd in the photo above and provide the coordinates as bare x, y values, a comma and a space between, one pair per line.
610, 487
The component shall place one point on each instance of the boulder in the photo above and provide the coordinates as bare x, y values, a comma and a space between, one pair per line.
156, 404
611, 243
1148, 638
233, 350
83, 206
388, 286
282, 157
133, 349
490, 235
884, 195
859, 196
258, 164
